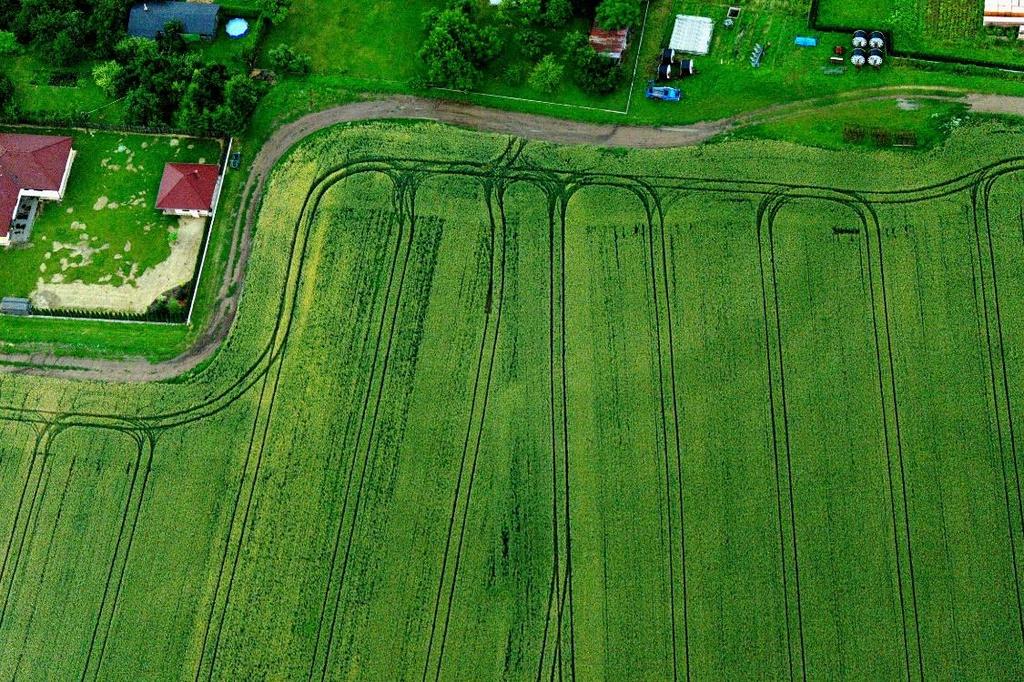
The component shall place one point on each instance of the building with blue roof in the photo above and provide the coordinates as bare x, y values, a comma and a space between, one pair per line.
148, 19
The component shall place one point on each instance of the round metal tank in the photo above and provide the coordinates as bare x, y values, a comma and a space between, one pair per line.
875, 58
858, 57
860, 38
877, 40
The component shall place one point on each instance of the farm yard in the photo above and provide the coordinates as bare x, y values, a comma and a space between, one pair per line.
105, 246
943, 28
504, 410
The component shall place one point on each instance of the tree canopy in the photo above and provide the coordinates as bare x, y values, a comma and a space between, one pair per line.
456, 46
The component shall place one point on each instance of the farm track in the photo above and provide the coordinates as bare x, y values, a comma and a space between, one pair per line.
527, 126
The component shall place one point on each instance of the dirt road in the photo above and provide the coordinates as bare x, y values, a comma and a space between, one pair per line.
529, 126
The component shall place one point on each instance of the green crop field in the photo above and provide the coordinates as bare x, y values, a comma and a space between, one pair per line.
496, 410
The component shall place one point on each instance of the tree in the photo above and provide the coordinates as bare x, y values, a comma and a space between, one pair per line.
531, 43
142, 107
203, 95
557, 13
171, 40
456, 47
283, 58
241, 95
90, 27
275, 10
106, 74
520, 12
547, 74
616, 14
8, 44
67, 47
594, 73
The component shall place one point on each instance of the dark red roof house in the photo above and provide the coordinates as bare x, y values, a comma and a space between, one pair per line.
32, 168
611, 44
188, 189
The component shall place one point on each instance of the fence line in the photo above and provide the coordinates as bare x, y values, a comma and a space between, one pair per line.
209, 230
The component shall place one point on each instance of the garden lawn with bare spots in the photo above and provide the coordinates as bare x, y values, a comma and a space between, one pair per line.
106, 232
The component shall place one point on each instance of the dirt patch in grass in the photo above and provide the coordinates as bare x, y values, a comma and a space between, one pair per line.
140, 290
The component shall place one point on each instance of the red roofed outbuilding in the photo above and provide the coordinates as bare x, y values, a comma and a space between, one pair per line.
32, 168
611, 44
188, 189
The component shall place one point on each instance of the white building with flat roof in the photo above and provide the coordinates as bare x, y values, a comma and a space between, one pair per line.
1004, 13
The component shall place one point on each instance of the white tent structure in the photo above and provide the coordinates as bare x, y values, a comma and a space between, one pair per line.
692, 34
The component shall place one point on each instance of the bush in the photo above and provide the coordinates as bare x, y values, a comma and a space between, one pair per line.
8, 44
283, 58
6, 92
105, 75
514, 74
592, 72
547, 74
532, 43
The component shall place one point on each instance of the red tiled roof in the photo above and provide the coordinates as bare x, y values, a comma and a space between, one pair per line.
187, 187
35, 162
609, 42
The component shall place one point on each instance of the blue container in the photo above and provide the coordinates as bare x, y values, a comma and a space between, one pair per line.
806, 41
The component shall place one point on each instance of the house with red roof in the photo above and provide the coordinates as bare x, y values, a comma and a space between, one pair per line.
188, 189
33, 169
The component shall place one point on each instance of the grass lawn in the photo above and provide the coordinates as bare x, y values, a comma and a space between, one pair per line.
106, 231
225, 50
929, 122
40, 87
375, 39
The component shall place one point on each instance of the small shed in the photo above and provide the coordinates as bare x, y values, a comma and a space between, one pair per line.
15, 306
611, 43
692, 34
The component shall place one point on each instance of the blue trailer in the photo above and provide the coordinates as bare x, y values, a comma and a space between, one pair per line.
806, 41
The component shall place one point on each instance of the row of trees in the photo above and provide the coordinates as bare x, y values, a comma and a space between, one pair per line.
67, 31
163, 82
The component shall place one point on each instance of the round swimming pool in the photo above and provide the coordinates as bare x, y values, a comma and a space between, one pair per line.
237, 27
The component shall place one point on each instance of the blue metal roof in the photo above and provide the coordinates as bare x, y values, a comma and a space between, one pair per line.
148, 19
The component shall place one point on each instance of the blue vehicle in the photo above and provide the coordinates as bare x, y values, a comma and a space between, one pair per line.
663, 93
